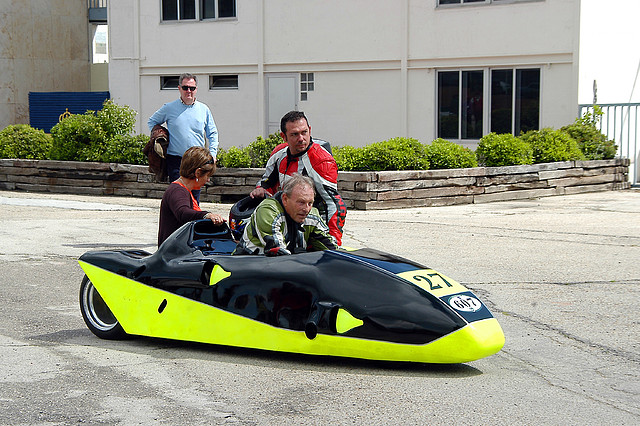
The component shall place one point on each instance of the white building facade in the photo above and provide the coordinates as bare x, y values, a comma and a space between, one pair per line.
362, 70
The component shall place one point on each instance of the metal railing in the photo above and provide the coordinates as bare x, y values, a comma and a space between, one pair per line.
620, 123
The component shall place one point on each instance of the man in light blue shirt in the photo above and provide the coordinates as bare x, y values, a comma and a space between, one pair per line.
188, 121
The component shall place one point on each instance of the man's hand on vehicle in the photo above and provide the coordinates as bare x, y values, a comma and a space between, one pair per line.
259, 192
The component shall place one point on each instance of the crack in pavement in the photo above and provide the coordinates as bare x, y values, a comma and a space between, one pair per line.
634, 241
541, 374
629, 356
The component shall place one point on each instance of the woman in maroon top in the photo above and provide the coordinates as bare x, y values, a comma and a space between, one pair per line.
178, 205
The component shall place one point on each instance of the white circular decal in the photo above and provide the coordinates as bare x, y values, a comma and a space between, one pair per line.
462, 302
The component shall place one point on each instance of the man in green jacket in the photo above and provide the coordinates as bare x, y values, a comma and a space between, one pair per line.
287, 223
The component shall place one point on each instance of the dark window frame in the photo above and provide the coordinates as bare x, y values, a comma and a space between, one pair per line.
223, 82
512, 97
307, 84
198, 10
460, 106
169, 82
463, 3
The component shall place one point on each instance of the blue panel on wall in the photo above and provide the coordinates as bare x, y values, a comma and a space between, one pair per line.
45, 108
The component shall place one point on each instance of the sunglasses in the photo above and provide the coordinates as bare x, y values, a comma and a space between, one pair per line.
189, 88
208, 162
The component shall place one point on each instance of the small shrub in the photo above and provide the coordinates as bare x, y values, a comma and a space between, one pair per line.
234, 157
552, 145
88, 136
591, 141
126, 149
23, 141
503, 150
443, 154
349, 158
255, 155
396, 154
260, 150
78, 137
116, 120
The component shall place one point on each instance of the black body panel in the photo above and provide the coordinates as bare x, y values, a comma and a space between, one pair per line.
293, 291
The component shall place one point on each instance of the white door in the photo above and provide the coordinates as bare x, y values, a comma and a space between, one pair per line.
282, 97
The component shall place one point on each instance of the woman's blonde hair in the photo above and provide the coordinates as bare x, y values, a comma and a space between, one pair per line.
194, 159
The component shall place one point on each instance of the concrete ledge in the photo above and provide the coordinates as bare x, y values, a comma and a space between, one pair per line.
360, 190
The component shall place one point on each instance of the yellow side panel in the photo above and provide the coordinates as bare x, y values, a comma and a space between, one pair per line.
136, 306
218, 274
345, 321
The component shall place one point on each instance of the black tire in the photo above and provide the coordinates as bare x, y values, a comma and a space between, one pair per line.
242, 209
97, 315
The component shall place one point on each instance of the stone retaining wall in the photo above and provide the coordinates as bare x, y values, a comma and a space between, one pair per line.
360, 190
386, 190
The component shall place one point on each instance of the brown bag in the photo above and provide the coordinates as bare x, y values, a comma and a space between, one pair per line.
156, 151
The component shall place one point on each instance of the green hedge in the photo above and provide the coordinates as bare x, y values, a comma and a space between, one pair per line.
503, 150
23, 141
552, 145
394, 154
77, 138
443, 154
106, 136
234, 157
125, 149
255, 155
99, 136
591, 141
350, 158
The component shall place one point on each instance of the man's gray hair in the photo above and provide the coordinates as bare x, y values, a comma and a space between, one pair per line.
295, 180
187, 76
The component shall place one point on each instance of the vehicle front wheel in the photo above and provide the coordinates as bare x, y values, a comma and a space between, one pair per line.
97, 315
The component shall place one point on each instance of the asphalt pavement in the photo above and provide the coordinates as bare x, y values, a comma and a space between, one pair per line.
561, 275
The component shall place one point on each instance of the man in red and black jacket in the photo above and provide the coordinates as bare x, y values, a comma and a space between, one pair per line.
300, 154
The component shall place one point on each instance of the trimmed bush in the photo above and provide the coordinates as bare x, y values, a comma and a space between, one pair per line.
591, 141
260, 150
255, 155
234, 157
116, 120
503, 150
78, 137
552, 145
396, 154
349, 158
89, 136
443, 154
23, 141
125, 149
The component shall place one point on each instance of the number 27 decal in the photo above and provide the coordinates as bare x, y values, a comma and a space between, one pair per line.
433, 282
433, 285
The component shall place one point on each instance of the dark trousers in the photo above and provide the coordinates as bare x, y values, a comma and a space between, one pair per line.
173, 171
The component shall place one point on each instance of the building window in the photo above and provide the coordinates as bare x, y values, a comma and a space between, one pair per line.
222, 82
513, 108
193, 10
515, 111
460, 104
169, 82
100, 44
306, 85
463, 2
440, 2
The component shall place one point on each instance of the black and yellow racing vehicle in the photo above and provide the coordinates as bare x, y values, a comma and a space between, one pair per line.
361, 303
